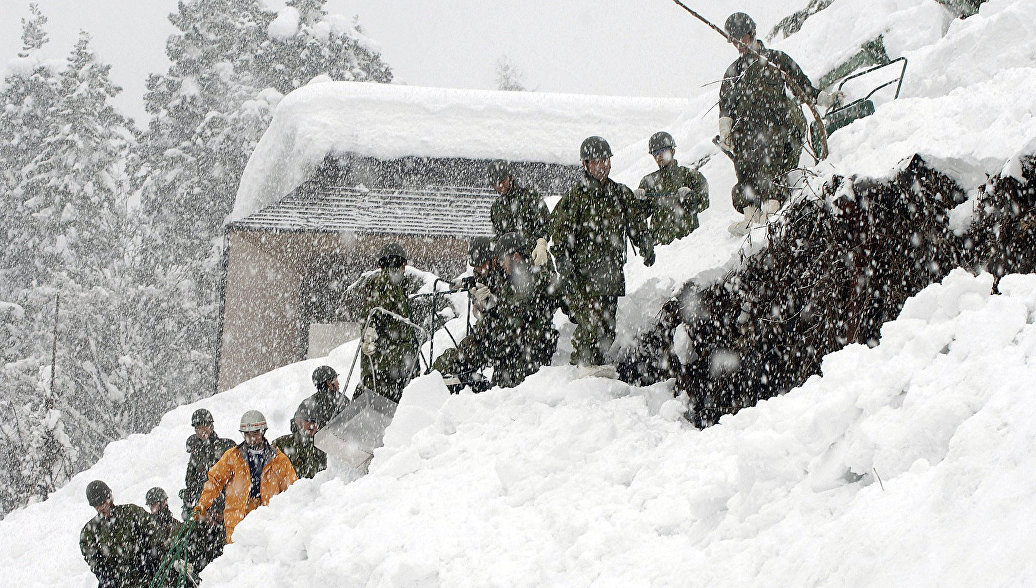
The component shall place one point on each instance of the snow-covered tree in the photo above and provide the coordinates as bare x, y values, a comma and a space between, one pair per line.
230, 63
508, 77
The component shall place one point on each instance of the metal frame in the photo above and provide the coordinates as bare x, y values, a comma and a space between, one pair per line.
902, 74
359, 345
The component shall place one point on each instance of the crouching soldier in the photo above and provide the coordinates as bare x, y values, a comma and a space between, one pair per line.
674, 194
251, 474
119, 544
589, 228
305, 457
515, 334
388, 344
205, 448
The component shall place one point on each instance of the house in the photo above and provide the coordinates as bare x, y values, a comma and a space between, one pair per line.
347, 167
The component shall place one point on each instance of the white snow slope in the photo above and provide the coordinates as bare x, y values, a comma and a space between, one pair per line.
911, 463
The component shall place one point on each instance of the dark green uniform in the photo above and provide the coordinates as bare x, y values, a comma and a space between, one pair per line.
210, 536
520, 210
768, 124
395, 361
204, 455
167, 527
327, 405
673, 217
517, 335
589, 227
121, 550
305, 457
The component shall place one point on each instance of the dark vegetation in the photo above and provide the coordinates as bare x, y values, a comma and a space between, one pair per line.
838, 266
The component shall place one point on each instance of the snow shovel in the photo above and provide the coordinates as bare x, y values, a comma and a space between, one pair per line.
359, 428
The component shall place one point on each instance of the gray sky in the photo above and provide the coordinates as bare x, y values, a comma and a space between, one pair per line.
618, 47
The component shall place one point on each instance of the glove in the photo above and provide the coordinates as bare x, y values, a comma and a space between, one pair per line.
830, 99
484, 298
540, 255
183, 566
198, 514
683, 192
369, 343
726, 125
649, 256
640, 193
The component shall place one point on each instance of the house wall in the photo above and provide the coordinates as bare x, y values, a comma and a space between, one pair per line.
270, 275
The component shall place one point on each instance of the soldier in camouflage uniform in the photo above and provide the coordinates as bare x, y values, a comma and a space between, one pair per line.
327, 401
518, 210
389, 346
675, 194
305, 457
589, 228
205, 448
119, 544
515, 334
761, 124
167, 528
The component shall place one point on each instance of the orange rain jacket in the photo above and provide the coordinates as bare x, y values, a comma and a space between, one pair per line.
231, 472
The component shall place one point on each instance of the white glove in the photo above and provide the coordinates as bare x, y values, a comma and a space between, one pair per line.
370, 341
540, 255
683, 192
484, 299
829, 99
180, 565
726, 125
640, 193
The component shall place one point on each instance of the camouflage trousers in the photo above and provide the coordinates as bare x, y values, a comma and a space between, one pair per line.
594, 317
761, 173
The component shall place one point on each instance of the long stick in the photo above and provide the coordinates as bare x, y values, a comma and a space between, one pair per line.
795, 88
54, 354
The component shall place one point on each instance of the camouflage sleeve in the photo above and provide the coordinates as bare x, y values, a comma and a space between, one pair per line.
561, 229
540, 216
88, 545
496, 217
699, 199
726, 91
786, 63
636, 220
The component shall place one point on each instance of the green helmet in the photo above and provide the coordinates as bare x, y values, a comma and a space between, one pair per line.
97, 493
480, 251
323, 374
392, 255
154, 495
659, 141
594, 148
509, 243
738, 25
307, 411
201, 417
499, 171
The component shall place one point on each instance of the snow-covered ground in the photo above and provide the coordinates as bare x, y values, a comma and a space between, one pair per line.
911, 463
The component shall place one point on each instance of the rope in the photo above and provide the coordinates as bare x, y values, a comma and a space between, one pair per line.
178, 552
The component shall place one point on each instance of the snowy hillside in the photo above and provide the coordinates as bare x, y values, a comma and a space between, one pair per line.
911, 463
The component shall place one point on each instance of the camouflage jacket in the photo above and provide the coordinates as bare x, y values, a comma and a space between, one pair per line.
305, 457
673, 217
395, 360
204, 455
121, 550
520, 210
758, 100
589, 227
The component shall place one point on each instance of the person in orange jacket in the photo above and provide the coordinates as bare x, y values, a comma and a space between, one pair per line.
251, 473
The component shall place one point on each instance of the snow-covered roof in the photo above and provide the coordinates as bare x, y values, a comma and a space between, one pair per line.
391, 121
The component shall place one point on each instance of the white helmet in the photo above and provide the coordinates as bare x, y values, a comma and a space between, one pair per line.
252, 420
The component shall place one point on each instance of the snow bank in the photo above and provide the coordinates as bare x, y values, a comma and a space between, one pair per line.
576, 482
390, 121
